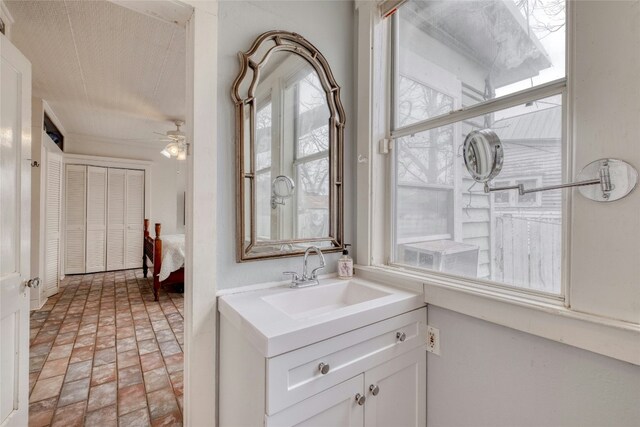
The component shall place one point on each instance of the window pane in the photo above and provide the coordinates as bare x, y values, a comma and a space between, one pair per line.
426, 157
263, 205
453, 54
423, 213
312, 118
529, 198
417, 101
501, 197
312, 189
444, 221
263, 137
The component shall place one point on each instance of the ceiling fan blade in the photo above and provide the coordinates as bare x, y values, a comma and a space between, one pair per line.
158, 133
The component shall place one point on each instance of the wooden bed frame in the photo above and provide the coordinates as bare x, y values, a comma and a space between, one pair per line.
153, 251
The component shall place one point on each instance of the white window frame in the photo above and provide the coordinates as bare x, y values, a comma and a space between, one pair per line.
455, 118
543, 315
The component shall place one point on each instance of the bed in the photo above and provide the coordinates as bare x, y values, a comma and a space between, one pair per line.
167, 256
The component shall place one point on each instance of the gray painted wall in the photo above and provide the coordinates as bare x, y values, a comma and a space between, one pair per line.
489, 375
329, 26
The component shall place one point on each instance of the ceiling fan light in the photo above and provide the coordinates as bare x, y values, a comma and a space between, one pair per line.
165, 153
173, 149
182, 155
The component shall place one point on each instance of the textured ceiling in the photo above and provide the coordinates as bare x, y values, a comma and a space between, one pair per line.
106, 71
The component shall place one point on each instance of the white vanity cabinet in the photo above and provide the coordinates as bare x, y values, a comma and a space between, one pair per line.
374, 375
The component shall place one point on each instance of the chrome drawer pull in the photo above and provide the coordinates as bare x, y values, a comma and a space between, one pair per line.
374, 389
360, 399
401, 336
324, 368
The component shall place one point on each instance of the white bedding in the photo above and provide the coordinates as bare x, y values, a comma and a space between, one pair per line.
172, 254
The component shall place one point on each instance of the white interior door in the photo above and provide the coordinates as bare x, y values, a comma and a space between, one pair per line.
116, 219
52, 207
75, 218
96, 219
397, 392
135, 217
15, 223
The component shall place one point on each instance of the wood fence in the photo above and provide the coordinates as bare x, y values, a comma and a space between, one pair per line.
528, 253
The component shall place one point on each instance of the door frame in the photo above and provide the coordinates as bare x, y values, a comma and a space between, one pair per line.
200, 312
200, 382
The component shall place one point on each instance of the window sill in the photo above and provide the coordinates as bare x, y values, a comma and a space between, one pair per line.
546, 317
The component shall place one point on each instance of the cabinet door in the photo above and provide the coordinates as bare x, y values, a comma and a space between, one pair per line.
75, 218
116, 223
334, 407
96, 219
134, 236
400, 399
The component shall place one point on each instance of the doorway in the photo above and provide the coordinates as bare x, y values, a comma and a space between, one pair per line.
102, 343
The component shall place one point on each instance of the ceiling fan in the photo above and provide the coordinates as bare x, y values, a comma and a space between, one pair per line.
177, 146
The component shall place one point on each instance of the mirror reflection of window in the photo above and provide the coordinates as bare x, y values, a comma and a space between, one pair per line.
311, 154
263, 142
292, 139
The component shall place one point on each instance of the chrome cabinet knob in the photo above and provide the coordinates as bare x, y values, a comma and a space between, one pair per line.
374, 389
33, 283
324, 368
360, 399
401, 336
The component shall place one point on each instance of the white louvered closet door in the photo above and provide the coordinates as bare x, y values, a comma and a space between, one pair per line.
96, 219
52, 224
75, 218
116, 219
134, 217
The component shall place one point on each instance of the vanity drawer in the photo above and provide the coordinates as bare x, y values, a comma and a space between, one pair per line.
295, 376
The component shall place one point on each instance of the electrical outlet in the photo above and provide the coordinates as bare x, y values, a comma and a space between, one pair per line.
433, 340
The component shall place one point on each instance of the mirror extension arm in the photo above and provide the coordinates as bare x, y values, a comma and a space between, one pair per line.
616, 178
522, 190
604, 180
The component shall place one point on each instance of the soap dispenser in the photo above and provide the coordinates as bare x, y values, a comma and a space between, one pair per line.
345, 264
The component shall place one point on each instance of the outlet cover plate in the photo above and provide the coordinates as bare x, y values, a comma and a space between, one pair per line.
433, 340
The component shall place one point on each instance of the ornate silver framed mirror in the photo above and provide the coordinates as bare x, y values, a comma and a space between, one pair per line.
289, 149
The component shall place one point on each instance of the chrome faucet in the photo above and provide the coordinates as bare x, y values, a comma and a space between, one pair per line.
306, 279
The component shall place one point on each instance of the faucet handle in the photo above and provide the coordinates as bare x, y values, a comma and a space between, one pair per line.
293, 274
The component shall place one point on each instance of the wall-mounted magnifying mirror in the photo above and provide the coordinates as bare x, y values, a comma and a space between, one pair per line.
282, 188
483, 155
603, 180
289, 145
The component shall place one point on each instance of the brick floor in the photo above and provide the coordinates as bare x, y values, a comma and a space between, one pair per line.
103, 353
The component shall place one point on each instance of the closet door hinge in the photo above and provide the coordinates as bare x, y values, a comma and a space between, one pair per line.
385, 146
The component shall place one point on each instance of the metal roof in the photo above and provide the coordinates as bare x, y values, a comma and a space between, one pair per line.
539, 125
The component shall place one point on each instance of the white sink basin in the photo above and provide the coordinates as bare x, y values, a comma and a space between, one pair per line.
316, 301
278, 319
